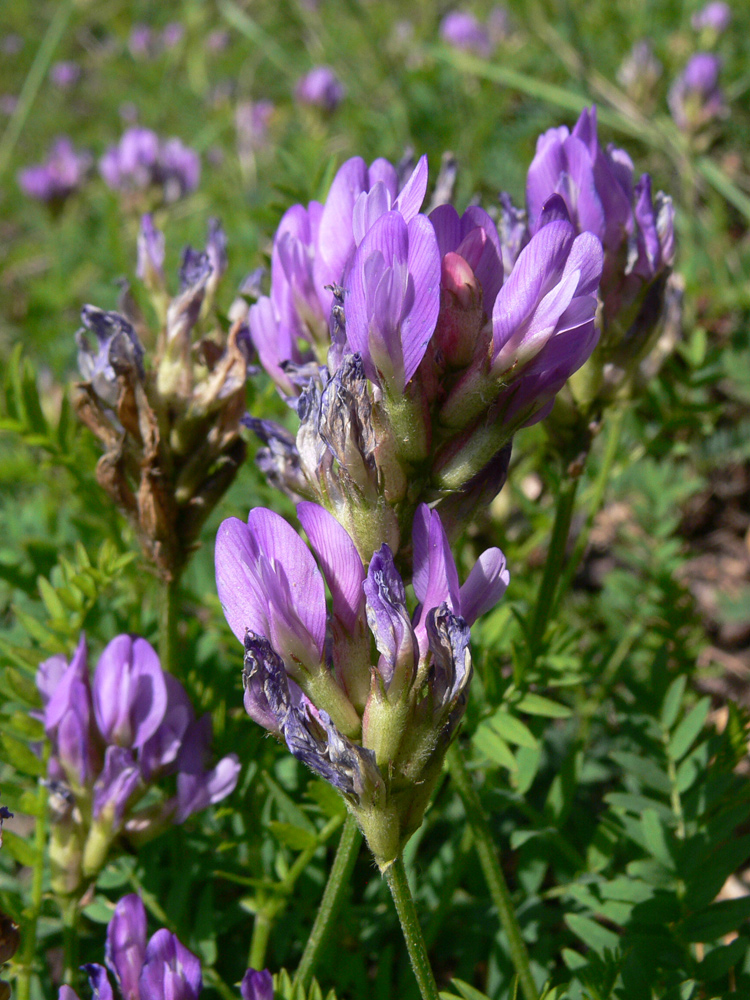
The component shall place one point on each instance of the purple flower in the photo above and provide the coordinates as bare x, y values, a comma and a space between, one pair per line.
59, 176
394, 298
151, 251
114, 739
160, 969
172, 34
117, 346
472, 274
141, 41
252, 120
125, 949
716, 16
141, 159
65, 74
543, 321
217, 40
257, 985
639, 71
313, 251
463, 31
130, 696
695, 98
321, 88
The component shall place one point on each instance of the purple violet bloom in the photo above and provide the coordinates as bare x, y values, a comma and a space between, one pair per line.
716, 16
125, 949
172, 34
141, 159
63, 172
313, 251
394, 298
463, 31
543, 321
321, 88
141, 41
257, 985
65, 74
169, 970
695, 98
130, 696
252, 120
639, 71
115, 738
151, 252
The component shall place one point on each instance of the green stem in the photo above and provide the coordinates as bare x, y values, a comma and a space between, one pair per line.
33, 82
23, 980
492, 870
259, 942
170, 605
337, 885
70, 914
616, 422
553, 567
395, 876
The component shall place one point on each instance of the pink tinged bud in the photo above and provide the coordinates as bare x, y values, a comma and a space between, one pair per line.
461, 314
257, 985
126, 944
130, 694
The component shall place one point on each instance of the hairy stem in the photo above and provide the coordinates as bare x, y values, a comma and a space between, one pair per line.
337, 885
70, 916
170, 605
616, 422
32, 83
492, 870
23, 980
553, 567
395, 876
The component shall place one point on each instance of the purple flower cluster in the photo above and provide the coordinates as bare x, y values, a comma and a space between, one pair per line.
308, 674
116, 737
160, 968
142, 160
320, 87
62, 173
696, 98
716, 17
448, 318
596, 189
463, 31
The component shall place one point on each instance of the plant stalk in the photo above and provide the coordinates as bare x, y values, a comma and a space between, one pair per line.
70, 916
398, 883
553, 567
337, 885
492, 870
23, 980
259, 942
170, 606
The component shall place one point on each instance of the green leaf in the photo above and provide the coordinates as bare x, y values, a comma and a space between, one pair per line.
716, 920
535, 704
528, 762
99, 911
287, 807
655, 837
293, 836
672, 701
19, 848
51, 601
330, 802
21, 757
487, 741
644, 769
688, 730
719, 961
513, 730
468, 992
21, 687
593, 935
637, 803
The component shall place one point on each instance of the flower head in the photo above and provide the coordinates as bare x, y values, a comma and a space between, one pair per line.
320, 87
463, 31
63, 172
